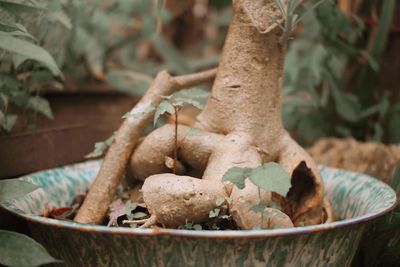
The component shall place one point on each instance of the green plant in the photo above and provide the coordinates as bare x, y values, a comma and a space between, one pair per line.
270, 176
17, 249
24, 64
320, 97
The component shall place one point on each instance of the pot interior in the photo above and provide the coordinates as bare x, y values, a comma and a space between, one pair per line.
354, 197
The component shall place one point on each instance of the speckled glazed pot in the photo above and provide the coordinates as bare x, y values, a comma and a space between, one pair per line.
355, 197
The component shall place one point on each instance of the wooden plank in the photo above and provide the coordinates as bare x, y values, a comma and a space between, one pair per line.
80, 121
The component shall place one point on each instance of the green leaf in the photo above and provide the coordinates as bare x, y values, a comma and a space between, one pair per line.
394, 128
196, 97
29, 50
347, 105
164, 107
14, 188
20, 250
219, 201
129, 207
237, 176
40, 105
395, 181
3, 102
17, 8
275, 205
271, 177
260, 207
197, 227
7, 122
100, 148
229, 200
94, 56
139, 113
60, 17
214, 213
6, 27
281, 8
386, 16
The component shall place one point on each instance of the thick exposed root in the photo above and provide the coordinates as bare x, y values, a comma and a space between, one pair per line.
194, 148
175, 200
103, 190
149, 156
305, 198
235, 150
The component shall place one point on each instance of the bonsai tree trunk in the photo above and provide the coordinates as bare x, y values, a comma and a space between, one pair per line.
240, 127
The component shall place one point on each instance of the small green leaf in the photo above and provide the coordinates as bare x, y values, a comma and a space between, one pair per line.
40, 105
100, 148
129, 207
197, 227
196, 97
347, 105
219, 201
260, 207
237, 176
15, 188
394, 128
226, 217
271, 177
275, 205
214, 213
20, 250
139, 114
7, 122
395, 180
3, 102
164, 107
16, 8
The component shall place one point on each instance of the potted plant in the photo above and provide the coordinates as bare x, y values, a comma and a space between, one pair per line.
252, 172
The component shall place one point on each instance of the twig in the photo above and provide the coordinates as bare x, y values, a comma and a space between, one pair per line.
176, 139
103, 189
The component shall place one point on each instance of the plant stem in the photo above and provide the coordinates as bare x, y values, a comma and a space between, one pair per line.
176, 140
262, 213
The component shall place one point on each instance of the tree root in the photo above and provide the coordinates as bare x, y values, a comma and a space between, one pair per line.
103, 189
240, 127
304, 202
146, 223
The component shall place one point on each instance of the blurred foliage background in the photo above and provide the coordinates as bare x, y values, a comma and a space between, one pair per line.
339, 80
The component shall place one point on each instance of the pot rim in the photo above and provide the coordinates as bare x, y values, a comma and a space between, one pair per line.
302, 230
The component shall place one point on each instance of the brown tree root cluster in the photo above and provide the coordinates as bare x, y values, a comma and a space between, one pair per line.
239, 127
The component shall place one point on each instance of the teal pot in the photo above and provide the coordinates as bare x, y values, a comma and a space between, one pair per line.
356, 198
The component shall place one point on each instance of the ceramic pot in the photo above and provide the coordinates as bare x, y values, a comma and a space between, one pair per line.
356, 198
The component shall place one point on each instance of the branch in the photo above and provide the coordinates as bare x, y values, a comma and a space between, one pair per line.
104, 187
